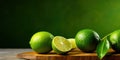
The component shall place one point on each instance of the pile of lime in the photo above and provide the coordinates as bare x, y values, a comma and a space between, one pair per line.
87, 40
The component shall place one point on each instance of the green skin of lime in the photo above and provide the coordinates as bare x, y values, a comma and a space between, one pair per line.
41, 42
87, 40
115, 40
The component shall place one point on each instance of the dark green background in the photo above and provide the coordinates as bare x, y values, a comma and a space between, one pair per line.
20, 19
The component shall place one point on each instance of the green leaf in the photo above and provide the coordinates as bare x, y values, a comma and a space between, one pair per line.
103, 48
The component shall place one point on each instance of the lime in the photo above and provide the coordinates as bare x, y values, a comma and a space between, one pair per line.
115, 40
41, 42
61, 45
87, 40
72, 41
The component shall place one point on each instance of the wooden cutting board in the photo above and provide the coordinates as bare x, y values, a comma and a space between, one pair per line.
75, 54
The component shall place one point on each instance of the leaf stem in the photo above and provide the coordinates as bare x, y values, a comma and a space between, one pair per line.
106, 36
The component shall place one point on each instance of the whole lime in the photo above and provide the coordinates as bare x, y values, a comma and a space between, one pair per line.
41, 42
115, 40
87, 40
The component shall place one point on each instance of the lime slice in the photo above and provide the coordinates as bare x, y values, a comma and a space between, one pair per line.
61, 45
72, 41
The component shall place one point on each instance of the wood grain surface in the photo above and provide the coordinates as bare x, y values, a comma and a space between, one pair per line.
74, 54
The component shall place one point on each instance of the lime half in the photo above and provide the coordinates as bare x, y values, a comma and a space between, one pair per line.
61, 45
72, 41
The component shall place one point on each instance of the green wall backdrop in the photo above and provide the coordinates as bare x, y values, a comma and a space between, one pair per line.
19, 19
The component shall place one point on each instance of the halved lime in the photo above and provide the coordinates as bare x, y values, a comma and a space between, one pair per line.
72, 41
61, 45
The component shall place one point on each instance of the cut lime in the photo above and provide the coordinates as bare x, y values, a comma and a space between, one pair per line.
72, 41
61, 45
